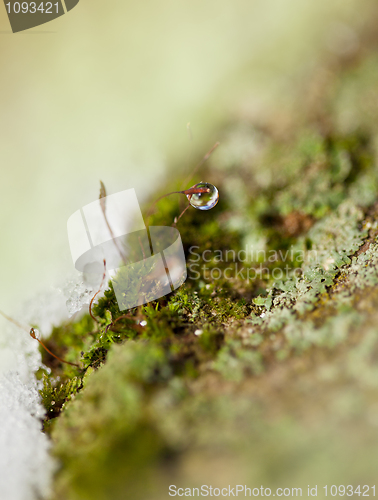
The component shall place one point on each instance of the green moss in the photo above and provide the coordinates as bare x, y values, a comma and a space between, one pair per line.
228, 362
235, 361
210, 339
68, 341
115, 437
55, 394
121, 407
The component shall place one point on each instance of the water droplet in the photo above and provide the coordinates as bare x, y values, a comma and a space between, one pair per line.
36, 333
204, 201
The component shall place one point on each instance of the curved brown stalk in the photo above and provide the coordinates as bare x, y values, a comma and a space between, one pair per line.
103, 208
179, 217
95, 295
200, 163
187, 192
33, 336
124, 316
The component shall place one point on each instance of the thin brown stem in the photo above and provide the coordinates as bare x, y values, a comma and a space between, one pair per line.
179, 217
141, 246
199, 164
124, 316
103, 208
187, 192
14, 322
33, 336
95, 295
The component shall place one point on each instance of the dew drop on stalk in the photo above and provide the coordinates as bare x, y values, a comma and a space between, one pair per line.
204, 201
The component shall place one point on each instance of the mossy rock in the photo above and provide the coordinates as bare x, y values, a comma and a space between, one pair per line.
262, 367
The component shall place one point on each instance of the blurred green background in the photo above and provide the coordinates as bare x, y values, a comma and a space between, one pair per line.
106, 92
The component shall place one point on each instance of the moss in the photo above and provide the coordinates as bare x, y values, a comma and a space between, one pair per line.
235, 361
275, 369
123, 388
241, 337
55, 394
68, 341
210, 339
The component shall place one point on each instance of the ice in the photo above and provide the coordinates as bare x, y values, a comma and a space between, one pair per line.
79, 291
25, 462
78, 295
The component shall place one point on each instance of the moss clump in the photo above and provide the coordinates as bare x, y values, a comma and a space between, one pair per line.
115, 401
235, 361
267, 356
56, 394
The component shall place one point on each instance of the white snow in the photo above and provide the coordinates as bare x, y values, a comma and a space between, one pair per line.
26, 466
